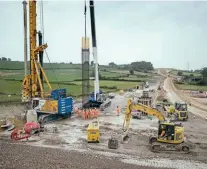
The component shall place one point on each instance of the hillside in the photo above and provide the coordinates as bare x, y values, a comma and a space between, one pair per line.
61, 75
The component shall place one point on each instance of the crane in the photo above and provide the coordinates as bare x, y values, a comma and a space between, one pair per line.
97, 98
172, 139
51, 105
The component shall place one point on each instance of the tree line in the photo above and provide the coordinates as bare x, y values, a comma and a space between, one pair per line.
200, 80
5, 59
141, 66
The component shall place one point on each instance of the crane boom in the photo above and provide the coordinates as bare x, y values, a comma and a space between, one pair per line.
140, 107
94, 44
32, 83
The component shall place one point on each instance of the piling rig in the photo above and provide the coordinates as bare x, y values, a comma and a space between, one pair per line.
51, 105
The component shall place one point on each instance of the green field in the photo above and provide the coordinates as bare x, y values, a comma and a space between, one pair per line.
65, 76
185, 73
191, 87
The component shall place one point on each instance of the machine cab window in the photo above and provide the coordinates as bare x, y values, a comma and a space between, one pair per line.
181, 106
166, 131
35, 103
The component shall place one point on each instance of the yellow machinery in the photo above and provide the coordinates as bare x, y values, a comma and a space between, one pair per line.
32, 83
93, 132
170, 136
50, 106
179, 110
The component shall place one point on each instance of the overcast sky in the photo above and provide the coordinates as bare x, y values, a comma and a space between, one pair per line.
169, 34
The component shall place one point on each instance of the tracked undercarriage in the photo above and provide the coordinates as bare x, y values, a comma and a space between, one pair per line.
157, 146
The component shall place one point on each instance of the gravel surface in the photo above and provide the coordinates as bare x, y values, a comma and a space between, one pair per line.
16, 156
134, 154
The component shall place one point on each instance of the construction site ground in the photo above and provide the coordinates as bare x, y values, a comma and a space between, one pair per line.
68, 148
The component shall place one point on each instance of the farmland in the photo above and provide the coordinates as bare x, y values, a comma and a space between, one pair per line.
191, 87
186, 73
65, 76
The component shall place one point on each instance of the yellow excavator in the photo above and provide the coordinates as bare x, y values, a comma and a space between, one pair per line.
179, 110
170, 136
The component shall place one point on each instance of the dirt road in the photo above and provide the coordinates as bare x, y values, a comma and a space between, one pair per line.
196, 108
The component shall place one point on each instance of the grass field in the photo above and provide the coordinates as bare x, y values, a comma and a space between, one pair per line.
175, 72
191, 87
12, 73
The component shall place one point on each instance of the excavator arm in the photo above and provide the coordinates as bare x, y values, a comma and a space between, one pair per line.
140, 107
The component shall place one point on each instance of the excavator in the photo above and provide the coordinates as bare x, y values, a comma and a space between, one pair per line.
170, 136
50, 105
179, 111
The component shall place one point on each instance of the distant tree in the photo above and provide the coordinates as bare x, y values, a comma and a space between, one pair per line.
204, 74
131, 71
142, 66
92, 63
4, 59
9, 59
0, 59
145, 71
191, 75
71, 63
180, 73
112, 64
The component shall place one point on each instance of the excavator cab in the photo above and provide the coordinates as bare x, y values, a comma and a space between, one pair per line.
166, 131
169, 133
181, 106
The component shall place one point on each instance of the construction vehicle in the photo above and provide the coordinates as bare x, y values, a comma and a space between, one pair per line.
93, 132
170, 136
51, 105
179, 111
145, 99
97, 98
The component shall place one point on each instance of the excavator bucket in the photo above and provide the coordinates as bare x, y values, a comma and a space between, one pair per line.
126, 137
113, 143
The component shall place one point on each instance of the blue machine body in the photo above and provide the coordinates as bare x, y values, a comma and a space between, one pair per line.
58, 93
92, 102
65, 105
91, 98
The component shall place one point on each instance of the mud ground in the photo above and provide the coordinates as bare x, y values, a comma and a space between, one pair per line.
69, 145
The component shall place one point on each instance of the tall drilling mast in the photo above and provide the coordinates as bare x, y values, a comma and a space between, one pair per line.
32, 84
25, 36
93, 33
